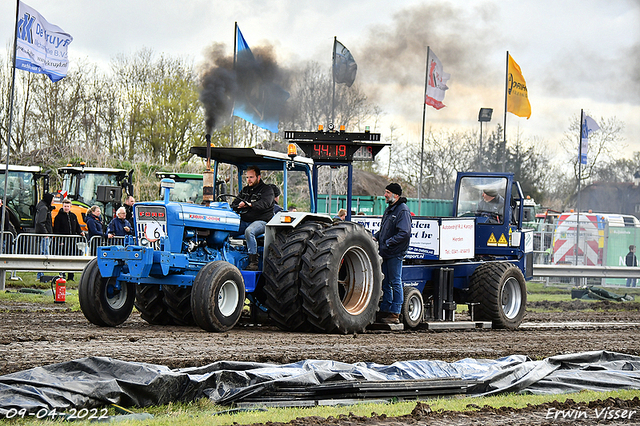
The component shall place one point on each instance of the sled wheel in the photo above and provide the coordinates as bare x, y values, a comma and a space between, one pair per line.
217, 297
413, 307
103, 301
500, 289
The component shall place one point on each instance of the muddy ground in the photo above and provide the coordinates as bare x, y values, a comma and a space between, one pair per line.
34, 335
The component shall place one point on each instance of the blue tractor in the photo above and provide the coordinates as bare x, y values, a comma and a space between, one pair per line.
183, 266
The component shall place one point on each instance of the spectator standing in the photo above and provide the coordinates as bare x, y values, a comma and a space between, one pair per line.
128, 205
277, 208
8, 226
44, 225
393, 242
342, 215
66, 223
119, 226
94, 222
631, 260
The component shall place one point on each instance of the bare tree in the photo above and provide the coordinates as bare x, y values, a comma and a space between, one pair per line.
602, 144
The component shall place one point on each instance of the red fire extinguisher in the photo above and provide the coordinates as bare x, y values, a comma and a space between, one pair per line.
60, 292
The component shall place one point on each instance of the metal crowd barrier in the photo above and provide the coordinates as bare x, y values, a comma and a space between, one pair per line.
49, 252
56, 245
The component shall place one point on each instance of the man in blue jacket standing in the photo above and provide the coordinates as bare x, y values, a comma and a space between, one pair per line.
393, 243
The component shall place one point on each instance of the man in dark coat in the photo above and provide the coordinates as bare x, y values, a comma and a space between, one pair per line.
8, 228
43, 224
276, 198
393, 243
119, 226
631, 260
66, 223
128, 205
43, 215
255, 206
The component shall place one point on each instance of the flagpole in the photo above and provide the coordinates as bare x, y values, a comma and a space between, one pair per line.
333, 78
504, 127
6, 162
233, 108
424, 118
576, 248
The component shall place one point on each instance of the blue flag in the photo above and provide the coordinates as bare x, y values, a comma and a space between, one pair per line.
588, 125
41, 47
258, 100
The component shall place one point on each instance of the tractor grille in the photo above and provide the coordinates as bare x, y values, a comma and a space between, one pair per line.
151, 224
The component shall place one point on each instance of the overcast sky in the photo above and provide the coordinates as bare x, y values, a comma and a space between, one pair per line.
573, 54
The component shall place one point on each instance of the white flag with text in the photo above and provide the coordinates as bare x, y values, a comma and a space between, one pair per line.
41, 47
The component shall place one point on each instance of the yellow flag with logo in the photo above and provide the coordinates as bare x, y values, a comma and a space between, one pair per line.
517, 96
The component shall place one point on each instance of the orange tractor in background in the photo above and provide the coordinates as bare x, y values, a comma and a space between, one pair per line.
88, 186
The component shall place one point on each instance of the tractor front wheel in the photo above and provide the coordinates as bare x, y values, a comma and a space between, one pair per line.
104, 301
217, 296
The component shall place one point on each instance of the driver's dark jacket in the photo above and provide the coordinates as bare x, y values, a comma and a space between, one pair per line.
260, 197
494, 206
395, 230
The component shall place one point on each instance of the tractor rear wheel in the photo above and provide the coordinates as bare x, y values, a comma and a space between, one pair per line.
413, 307
102, 301
500, 289
341, 279
282, 281
149, 302
217, 296
178, 302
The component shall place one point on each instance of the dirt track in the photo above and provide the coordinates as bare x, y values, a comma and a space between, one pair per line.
33, 335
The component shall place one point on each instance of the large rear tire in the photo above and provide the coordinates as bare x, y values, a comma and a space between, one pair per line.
341, 279
217, 296
501, 291
282, 277
150, 303
178, 302
101, 301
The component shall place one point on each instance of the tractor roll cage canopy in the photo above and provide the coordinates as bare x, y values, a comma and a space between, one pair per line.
242, 158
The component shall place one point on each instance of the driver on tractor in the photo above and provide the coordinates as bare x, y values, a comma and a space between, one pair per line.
491, 205
254, 204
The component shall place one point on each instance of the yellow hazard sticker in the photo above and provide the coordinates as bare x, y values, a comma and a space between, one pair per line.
492, 240
502, 241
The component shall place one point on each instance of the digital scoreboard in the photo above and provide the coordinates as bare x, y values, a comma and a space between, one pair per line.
337, 146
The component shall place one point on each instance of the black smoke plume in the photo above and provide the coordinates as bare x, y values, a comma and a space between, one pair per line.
253, 83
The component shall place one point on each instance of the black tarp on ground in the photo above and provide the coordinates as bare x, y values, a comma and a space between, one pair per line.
95, 381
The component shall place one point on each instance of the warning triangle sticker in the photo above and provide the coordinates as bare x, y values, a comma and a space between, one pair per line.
492, 240
502, 241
